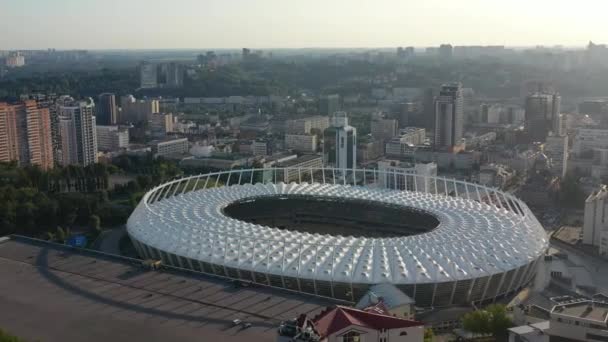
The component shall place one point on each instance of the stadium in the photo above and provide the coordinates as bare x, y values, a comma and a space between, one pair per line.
334, 233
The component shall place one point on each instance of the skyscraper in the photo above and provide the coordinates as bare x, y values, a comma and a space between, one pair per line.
542, 115
107, 110
449, 112
148, 75
340, 143
172, 75
25, 134
78, 133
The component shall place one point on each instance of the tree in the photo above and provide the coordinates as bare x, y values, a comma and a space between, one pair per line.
63, 235
95, 224
428, 335
6, 337
491, 320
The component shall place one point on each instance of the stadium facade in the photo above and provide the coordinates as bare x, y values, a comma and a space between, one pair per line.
334, 236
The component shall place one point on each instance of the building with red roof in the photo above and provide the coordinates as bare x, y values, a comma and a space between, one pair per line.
346, 324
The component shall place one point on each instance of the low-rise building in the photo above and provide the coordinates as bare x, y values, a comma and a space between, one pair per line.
584, 320
112, 138
409, 136
169, 147
394, 174
346, 324
295, 167
301, 142
260, 148
536, 332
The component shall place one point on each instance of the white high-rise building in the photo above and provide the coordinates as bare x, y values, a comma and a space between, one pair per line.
78, 133
148, 75
340, 143
595, 226
556, 148
449, 112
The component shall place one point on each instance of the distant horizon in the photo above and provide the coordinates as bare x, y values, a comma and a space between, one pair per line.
419, 47
314, 24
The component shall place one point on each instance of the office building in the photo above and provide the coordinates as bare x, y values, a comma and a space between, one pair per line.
301, 142
78, 133
329, 104
394, 174
340, 143
25, 134
134, 110
112, 138
107, 111
542, 111
384, 130
556, 148
589, 139
449, 120
307, 125
169, 147
148, 75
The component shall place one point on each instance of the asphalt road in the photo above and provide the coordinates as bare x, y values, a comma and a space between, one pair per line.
51, 294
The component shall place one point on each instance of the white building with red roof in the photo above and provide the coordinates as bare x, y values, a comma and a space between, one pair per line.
346, 324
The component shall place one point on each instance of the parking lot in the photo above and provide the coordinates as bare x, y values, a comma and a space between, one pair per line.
48, 293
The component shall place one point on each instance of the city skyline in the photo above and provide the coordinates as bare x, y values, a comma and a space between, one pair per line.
140, 24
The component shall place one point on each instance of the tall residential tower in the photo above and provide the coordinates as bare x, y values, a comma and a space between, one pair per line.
449, 112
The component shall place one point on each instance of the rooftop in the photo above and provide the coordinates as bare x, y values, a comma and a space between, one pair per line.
589, 310
340, 317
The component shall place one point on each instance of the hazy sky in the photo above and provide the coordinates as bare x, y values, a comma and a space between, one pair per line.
119, 24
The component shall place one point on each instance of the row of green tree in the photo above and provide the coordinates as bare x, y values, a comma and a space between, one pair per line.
31, 203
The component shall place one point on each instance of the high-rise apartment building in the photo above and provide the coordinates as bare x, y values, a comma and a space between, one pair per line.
171, 75
107, 111
340, 143
330, 104
25, 134
542, 115
133, 110
148, 75
595, 226
78, 133
556, 148
384, 130
449, 116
